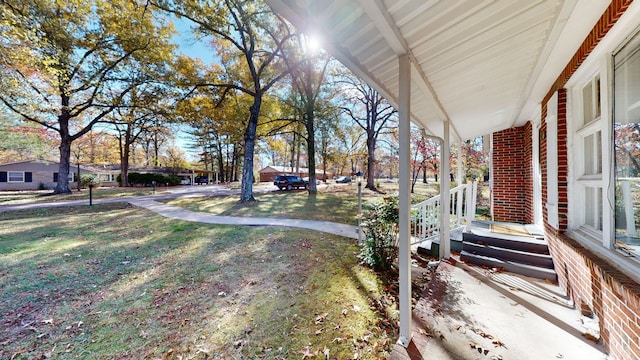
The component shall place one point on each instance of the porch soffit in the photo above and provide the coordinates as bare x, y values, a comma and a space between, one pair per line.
481, 65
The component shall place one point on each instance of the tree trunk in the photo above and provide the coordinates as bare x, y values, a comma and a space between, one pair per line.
63, 171
246, 188
125, 152
220, 159
62, 186
124, 168
311, 150
294, 147
235, 163
371, 160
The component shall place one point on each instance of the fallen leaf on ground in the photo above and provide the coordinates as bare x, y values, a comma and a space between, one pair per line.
321, 318
308, 352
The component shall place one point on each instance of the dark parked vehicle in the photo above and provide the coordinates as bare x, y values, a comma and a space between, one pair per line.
201, 180
289, 182
344, 180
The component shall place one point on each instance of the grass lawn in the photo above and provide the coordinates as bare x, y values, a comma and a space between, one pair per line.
335, 202
117, 282
28, 197
327, 206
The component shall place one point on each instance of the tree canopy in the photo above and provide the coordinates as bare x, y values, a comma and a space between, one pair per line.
64, 66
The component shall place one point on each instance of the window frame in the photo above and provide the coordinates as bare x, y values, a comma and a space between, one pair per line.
9, 173
602, 242
582, 130
589, 124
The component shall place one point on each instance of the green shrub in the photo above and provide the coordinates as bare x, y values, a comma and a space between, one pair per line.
147, 179
89, 179
380, 224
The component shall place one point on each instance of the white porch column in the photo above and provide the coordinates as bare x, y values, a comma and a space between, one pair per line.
404, 201
459, 175
445, 206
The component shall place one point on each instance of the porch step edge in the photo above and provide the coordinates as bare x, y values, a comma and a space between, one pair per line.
516, 243
505, 254
511, 266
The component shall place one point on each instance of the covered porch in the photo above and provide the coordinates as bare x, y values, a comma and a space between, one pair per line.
462, 69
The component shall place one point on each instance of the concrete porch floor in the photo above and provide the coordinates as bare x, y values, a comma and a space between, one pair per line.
468, 312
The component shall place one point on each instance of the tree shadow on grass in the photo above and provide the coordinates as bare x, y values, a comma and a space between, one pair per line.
126, 283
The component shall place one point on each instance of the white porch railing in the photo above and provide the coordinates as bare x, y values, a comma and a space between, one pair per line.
425, 216
627, 196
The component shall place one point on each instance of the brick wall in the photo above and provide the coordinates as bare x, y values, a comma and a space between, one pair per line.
563, 160
509, 175
596, 285
591, 281
528, 173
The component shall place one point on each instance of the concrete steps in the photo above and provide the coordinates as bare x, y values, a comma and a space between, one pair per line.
525, 255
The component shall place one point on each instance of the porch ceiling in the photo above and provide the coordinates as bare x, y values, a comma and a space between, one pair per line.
482, 65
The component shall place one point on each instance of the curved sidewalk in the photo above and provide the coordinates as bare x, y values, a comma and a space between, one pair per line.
174, 212
148, 202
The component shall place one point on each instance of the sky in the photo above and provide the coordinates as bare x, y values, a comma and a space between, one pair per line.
190, 46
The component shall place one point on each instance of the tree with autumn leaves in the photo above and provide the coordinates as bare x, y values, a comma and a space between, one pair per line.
371, 112
63, 66
250, 39
71, 65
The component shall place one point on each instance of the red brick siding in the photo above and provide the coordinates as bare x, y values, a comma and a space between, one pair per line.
589, 280
602, 27
563, 160
528, 173
509, 168
612, 296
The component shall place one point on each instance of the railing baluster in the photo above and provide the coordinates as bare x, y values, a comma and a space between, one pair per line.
426, 214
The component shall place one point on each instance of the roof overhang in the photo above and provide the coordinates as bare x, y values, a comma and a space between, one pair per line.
481, 66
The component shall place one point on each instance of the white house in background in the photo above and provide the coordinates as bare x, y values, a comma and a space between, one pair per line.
34, 175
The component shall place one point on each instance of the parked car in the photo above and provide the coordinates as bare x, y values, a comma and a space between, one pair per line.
202, 180
344, 180
289, 182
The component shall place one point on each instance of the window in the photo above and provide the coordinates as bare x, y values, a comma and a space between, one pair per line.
626, 135
71, 177
588, 178
106, 177
15, 176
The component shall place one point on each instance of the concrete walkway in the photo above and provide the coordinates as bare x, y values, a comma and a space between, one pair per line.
175, 212
151, 203
468, 313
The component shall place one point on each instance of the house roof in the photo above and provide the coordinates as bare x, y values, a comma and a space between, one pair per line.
483, 66
45, 162
284, 169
